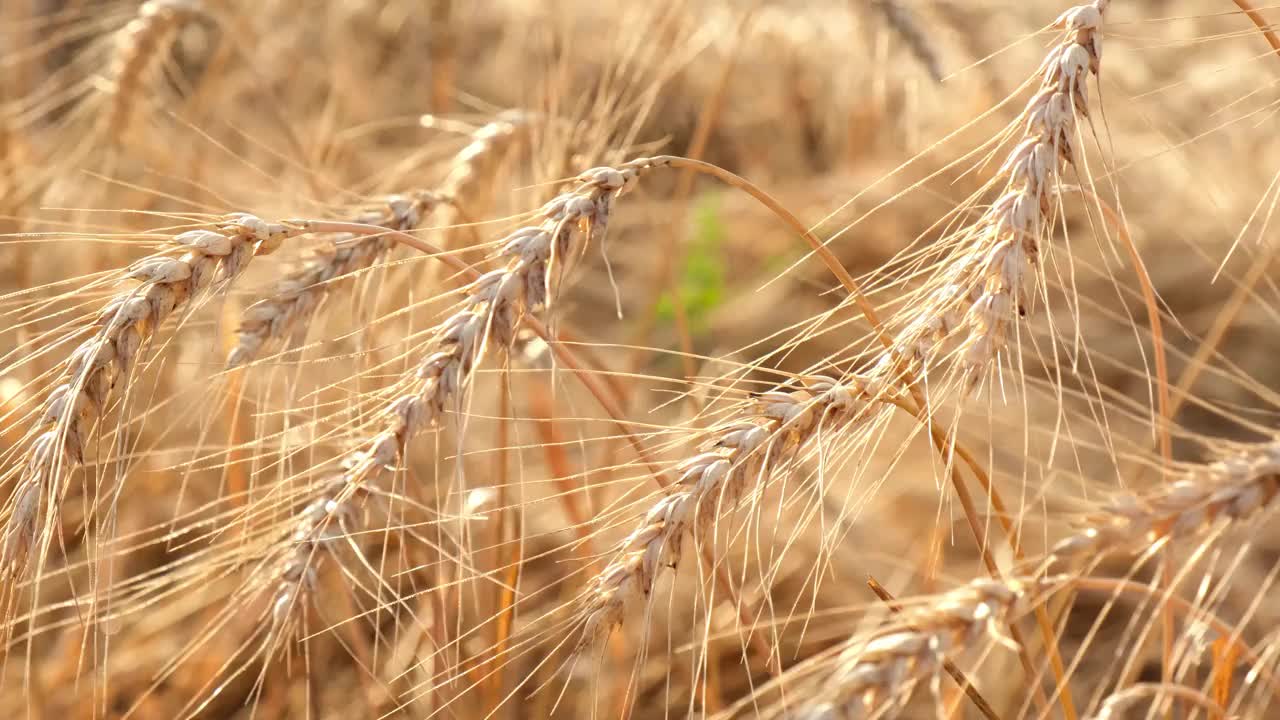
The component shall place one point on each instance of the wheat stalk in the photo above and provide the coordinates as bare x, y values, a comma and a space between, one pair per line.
103, 362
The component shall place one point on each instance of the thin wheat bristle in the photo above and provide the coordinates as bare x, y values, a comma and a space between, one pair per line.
104, 362
297, 297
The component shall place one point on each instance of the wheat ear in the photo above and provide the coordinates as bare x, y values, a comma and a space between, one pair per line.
537, 257
764, 437
991, 283
475, 164
902, 21
140, 45
875, 677
297, 297
103, 362
1231, 489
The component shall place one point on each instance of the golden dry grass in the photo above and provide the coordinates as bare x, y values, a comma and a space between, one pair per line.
692, 358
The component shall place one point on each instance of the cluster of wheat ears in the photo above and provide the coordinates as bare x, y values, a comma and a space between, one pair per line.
365, 436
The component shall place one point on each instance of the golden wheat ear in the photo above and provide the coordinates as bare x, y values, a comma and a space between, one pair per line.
766, 436
539, 258
875, 676
103, 364
990, 284
297, 297
1231, 490
141, 47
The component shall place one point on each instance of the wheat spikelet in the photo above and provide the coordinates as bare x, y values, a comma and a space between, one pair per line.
991, 283
903, 21
1231, 489
296, 298
746, 451
875, 677
103, 362
140, 46
537, 257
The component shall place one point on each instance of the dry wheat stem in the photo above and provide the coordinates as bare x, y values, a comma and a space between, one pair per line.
104, 362
1231, 490
1263, 27
297, 297
734, 457
140, 45
991, 284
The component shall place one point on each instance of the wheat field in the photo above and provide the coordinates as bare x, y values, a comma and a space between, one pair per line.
504, 359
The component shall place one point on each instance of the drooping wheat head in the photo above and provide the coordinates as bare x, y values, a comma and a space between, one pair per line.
765, 437
296, 298
104, 362
991, 282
